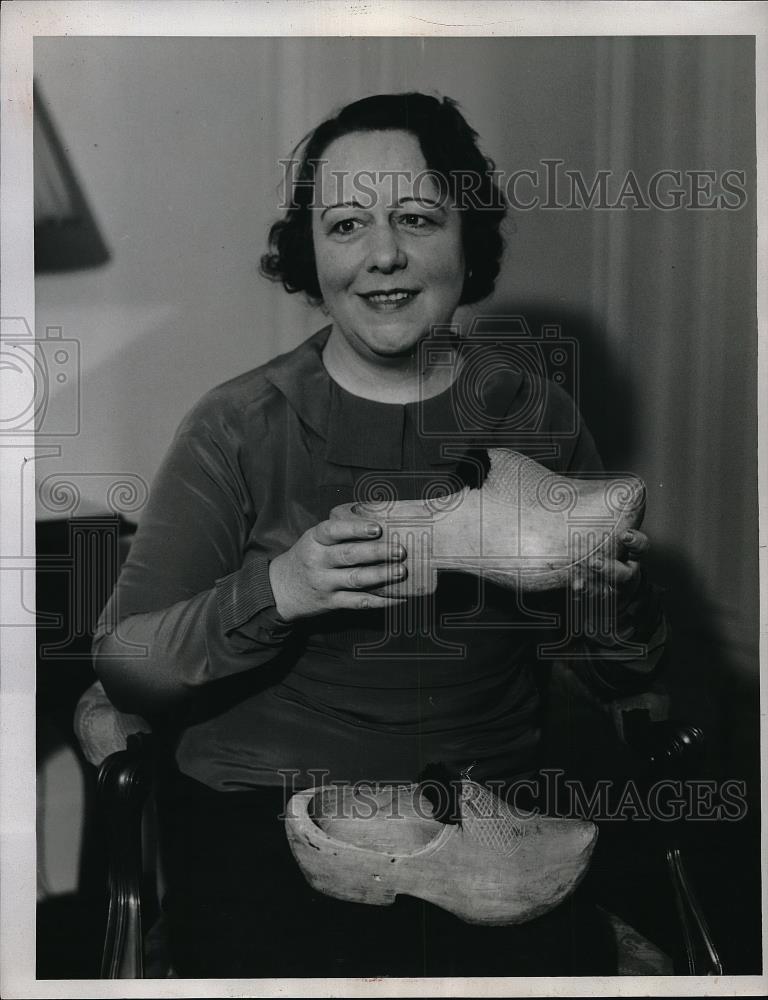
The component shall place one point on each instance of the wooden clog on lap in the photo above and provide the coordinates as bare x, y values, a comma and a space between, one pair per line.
525, 528
493, 867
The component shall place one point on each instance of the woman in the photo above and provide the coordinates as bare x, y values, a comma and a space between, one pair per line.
249, 630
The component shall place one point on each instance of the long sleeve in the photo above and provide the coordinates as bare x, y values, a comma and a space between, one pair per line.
191, 604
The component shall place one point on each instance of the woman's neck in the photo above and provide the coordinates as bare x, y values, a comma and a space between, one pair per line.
404, 379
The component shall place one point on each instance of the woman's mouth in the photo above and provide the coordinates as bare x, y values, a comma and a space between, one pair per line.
389, 300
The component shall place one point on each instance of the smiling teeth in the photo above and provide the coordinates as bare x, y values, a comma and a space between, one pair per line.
389, 297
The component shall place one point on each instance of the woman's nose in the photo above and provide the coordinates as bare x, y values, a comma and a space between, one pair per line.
385, 252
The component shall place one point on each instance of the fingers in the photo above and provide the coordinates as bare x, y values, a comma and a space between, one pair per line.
365, 577
362, 553
614, 573
333, 565
607, 577
345, 563
341, 546
336, 530
622, 574
635, 543
364, 602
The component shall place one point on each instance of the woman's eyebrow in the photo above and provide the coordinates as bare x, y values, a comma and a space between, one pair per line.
426, 202
342, 204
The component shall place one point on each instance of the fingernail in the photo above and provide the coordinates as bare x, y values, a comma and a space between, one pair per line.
597, 564
372, 529
398, 552
627, 536
399, 571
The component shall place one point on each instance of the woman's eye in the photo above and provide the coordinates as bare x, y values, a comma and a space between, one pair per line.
414, 221
346, 226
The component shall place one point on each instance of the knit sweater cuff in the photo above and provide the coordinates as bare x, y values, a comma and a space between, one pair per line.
246, 593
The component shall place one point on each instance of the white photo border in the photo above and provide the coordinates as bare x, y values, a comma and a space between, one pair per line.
21, 22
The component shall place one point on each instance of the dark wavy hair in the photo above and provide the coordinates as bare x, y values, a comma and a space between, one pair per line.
450, 149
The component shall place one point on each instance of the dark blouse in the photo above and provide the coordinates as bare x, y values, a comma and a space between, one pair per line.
191, 634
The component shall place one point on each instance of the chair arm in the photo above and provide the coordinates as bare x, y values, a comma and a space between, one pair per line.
653, 704
671, 749
124, 780
664, 748
667, 747
100, 729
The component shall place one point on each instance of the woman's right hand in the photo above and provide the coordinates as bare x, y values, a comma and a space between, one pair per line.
332, 566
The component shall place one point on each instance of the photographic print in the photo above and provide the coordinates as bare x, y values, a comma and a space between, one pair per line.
380, 434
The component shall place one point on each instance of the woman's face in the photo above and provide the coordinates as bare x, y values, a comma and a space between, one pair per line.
389, 256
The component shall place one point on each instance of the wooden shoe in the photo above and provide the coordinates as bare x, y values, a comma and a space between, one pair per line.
525, 528
493, 867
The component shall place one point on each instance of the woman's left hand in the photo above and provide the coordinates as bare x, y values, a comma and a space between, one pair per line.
622, 574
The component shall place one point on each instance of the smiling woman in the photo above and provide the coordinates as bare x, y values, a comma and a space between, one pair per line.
387, 273
441, 140
273, 659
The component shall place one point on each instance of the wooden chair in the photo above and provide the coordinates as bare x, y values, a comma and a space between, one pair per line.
122, 748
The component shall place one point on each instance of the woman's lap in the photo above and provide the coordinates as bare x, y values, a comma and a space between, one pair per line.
237, 905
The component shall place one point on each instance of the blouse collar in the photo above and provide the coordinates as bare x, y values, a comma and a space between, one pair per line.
368, 434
